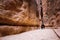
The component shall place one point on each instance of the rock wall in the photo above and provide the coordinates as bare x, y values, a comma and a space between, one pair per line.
51, 10
24, 12
17, 16
12, 30
18, 12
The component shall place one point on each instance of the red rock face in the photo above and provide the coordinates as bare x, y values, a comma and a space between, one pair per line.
18, 12
53, 12
12, 30
24, 12
51, 8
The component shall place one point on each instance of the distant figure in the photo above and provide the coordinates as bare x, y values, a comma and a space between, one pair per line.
40, 9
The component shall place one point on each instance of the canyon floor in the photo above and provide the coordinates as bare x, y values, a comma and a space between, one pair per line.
39, 34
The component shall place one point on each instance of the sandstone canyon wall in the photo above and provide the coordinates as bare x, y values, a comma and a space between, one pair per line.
26, 14
18, 12
17, 16
51, 12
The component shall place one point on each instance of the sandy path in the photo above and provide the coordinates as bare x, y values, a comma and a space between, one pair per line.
40, 34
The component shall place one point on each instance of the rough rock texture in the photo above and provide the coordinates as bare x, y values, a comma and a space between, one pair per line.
53, 12
18, 12
24, 12
12, 30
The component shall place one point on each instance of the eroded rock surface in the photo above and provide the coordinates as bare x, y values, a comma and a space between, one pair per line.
53, 12
12, 30
18, 12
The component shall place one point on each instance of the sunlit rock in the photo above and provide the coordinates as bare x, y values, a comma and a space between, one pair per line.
18, 12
